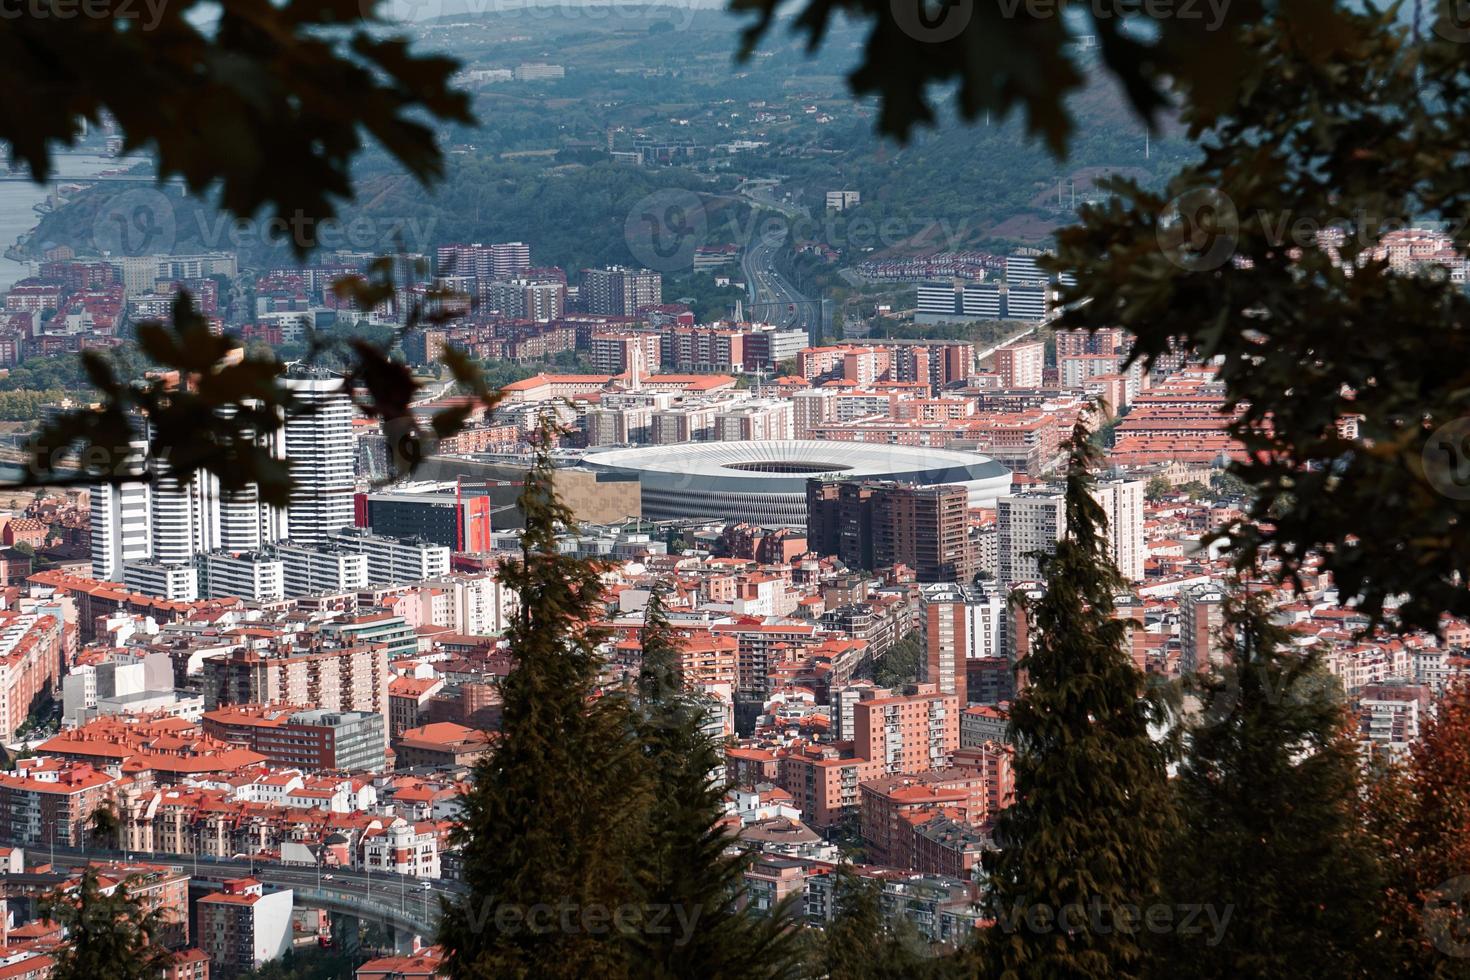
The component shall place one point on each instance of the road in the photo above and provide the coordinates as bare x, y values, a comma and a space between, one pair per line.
981, 355
382, 892
773, 298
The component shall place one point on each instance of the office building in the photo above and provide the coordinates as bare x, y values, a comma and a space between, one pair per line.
936, 300
981, 301
1026, 302
1022, 268
439, 513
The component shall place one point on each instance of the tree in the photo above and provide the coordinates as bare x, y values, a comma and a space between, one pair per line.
1028, 57
1267, 254
1268, 844
686, 864
899, 664
551, 829
222, 92
107, 935
104, 827
1080, 846
1417, 812
860, 943
1157, 488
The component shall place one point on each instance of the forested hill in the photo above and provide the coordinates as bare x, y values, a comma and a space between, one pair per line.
537, 168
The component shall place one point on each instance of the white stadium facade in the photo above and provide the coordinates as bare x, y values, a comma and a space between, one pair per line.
764, 481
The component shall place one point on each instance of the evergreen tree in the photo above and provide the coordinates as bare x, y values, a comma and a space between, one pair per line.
1268, 867
104, 828
860, 943
1079, 849
1417, 815
550, 830
107, 935
686, 864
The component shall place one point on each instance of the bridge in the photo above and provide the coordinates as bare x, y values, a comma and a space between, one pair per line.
402, 904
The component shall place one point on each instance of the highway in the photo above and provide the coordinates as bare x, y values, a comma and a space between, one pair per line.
772, 298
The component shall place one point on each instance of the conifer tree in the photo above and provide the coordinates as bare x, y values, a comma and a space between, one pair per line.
686, 866
1079, 848
1417, 815
861, 944
107, 935
1269, 874
550, 830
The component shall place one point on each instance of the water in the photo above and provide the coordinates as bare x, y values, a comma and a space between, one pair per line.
18, 200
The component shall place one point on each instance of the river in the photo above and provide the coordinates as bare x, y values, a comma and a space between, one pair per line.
18, 200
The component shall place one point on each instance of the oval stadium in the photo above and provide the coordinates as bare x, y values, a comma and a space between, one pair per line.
764, 481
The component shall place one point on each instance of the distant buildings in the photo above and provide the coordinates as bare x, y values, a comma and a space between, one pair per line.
871, 525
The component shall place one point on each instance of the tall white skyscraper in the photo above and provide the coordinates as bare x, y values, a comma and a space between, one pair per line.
169, 522
184, 517
319, 447
120, 528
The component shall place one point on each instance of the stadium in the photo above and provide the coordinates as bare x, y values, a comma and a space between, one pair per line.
764, 482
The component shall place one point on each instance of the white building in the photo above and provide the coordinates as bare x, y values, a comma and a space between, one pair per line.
395, 560
175, 582
242, 927
402, 848
309, 569
977, 615
1028, 523
319, 447
257, 576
